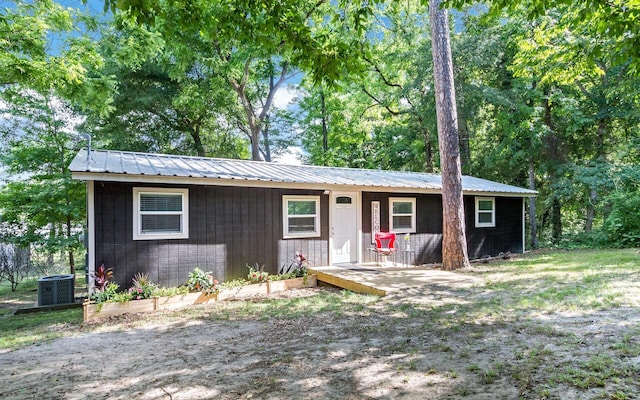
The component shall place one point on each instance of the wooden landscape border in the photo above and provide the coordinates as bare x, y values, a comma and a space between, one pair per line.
94, 311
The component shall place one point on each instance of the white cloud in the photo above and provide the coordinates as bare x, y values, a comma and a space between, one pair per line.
293, 156
285, 96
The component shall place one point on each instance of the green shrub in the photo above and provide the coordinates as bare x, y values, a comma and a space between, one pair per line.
234, 283
257, 274
107, 294
623, 223
200, 281
281, 277
170, 291
142, 287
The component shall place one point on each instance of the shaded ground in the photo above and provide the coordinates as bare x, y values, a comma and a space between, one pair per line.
556, 330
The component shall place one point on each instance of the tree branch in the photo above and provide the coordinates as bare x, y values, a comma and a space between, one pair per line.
223, 56
367, 109
381, 104
384, 79
273, 90
314, 8
245, 72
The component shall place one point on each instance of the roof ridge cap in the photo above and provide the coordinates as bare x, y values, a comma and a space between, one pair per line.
162, 155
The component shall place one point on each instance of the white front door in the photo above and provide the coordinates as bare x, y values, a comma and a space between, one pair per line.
344, 227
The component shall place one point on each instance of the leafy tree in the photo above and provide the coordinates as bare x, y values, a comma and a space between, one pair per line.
251, 46
598, 95
334, 132
399, 85
41, 204
384, 116
27, 59
14, 264
153, 112
613, 22
623, 223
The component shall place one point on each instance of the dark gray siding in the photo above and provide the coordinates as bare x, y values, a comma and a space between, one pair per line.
506, 236
426, 243
229, 227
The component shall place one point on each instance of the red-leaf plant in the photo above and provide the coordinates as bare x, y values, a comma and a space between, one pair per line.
101, 277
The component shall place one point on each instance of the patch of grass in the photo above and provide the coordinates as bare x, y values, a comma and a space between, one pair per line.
596, 372
17, 331
543, 392
621, 395
584, 280
628, 345
577, 261
524, 372
26, 285
264, 308
442, 348
490, 375
542, 329
25, 329
24, 296
464, 391
474, 368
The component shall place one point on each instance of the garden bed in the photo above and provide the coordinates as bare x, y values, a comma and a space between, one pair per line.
94, 311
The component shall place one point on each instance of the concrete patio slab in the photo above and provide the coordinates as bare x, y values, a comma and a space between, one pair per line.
373, 279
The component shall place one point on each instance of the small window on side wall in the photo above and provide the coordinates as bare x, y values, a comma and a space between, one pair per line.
301, 216
402, 214
485, 212
160, 213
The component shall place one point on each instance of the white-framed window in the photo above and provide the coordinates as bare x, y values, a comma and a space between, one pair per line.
160, 213
300, 216
485, 212
402, 214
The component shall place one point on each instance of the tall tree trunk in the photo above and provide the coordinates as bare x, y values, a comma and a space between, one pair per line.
554, 158
50, 255
72, 262
601, 156
266, 140
556, 220
463, 129
197, 140
532, 206
591, 210
454, 241
253, 122
256, 121
325, 133
465, 150
428, 151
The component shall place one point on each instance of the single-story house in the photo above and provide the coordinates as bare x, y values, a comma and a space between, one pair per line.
165, 214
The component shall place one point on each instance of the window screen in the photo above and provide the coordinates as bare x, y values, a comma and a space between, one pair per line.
160, 213
485, 212
402, 215
301, 216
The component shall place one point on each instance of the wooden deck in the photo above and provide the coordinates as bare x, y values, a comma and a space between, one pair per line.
382, 280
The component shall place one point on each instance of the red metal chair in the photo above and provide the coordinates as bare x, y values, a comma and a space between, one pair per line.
385, 246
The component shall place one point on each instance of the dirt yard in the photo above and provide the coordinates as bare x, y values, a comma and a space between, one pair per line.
537, 335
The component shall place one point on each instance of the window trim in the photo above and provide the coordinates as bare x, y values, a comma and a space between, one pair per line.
285, 217
137, 215
492, 212
411, 200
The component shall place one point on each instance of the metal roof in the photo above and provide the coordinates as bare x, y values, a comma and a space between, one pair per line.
141, 167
